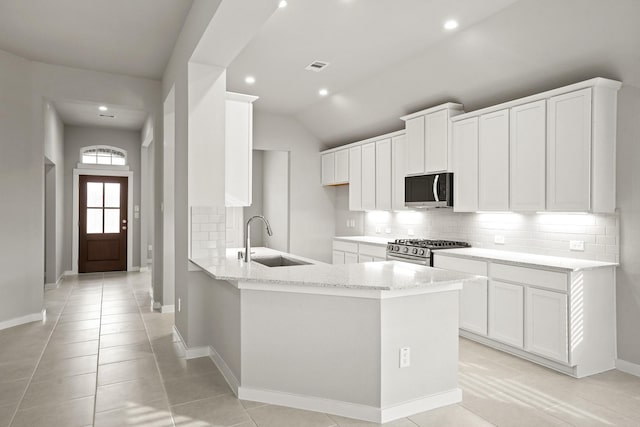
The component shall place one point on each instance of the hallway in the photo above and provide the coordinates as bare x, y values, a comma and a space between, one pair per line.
104, 358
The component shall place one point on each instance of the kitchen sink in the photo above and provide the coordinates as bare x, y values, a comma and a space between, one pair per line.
278, 261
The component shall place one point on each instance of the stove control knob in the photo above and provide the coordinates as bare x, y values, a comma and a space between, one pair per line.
405, 250
415, 251
397, 248
421, 251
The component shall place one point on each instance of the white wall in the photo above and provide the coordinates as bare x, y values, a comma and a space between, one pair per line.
22, 194
256, 207
54, 152
276, 199
76, 137
311, 211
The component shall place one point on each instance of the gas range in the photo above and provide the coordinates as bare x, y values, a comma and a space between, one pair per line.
419, 251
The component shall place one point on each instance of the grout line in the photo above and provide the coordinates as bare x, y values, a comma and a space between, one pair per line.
66, 301
95, 393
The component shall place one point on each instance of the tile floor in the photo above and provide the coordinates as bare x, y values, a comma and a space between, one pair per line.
103, 358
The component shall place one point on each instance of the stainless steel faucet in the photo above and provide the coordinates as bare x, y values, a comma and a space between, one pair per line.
247, 236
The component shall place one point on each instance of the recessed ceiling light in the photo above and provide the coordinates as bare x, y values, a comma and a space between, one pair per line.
102, 108
451, 24
323, 92
282, 4
249, 80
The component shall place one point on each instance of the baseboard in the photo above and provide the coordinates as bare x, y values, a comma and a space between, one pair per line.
190, 352
628, 367
351, 410
225, 370
48, 286
144, 269
168, 309
33, 317
70, 273
134, 269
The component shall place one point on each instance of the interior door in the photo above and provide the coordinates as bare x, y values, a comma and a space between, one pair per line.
103, 224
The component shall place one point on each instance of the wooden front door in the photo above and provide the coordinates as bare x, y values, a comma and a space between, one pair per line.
103, 224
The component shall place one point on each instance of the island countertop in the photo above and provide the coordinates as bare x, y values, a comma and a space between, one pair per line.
383, 276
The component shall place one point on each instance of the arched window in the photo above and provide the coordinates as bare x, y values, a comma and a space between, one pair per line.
103, 155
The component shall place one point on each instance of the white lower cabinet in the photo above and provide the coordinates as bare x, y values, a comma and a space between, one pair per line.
546, 324
506, 313
338, 257
353, 252
350, 258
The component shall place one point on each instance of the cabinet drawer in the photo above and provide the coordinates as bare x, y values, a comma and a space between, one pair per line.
339, 245
469, 266
372, 250
530, 276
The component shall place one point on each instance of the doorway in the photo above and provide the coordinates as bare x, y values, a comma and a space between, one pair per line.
103, 223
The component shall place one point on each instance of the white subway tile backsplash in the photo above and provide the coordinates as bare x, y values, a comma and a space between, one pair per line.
208, 231
533, 233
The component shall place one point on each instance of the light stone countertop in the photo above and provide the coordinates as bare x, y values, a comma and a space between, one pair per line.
371, 240
383, 276
526, 259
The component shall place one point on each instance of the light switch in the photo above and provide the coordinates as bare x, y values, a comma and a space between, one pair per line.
498, 239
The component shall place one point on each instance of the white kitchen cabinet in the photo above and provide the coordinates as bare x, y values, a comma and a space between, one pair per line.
428, 139
328, 168
506, 313
355, 178
527, 149
350, 258
398, 171
238, 148
335, 167
383, 174
493, 161
338, 257
365, 258
546, 324
369, 176
465, 165
569, 152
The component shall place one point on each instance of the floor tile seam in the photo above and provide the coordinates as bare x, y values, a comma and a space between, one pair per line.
15, 412
155, 358
121, 361
560, 405
203, 399
95, 391
62, 377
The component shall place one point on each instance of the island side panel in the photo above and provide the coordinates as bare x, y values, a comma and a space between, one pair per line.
428, 325
312, 345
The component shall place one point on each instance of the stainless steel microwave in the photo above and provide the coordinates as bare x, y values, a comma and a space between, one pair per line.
429, 191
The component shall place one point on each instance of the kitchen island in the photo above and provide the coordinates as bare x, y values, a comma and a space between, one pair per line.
328, 338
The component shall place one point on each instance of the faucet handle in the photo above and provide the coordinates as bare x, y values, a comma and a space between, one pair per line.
240, 255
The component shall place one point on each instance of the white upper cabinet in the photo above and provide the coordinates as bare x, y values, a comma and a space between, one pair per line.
238, 148
465, 165
369, 176
527, 157
428, 139
569, 152
335, 167
383, 174
398, 171
493, 161
355, 178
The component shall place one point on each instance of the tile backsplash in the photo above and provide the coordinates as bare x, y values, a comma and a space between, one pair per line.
208, 231
547, 233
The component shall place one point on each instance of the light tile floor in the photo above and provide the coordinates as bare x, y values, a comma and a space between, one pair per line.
104, 358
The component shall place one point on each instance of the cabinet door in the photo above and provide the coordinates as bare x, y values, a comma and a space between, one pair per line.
355, 179
379, 259
365, 258
569, 152
338, 257
398, 171
506, 313
493, 161
383, 175
527, 183
415, 145
350, 258
369, 176
436, 141
238, 152
342, 166
473, 306
465, 165
546, 324
328, 168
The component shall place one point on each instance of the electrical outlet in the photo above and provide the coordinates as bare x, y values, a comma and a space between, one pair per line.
387, 230
405, 357
410, 232
498, 239
378, 230
150, 247
576, 245
179, 305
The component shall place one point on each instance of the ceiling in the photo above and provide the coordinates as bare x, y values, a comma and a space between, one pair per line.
359, 38
130, 37
77, 113
390, 58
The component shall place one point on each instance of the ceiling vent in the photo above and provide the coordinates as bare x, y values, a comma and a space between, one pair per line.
317, 66
109, 116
